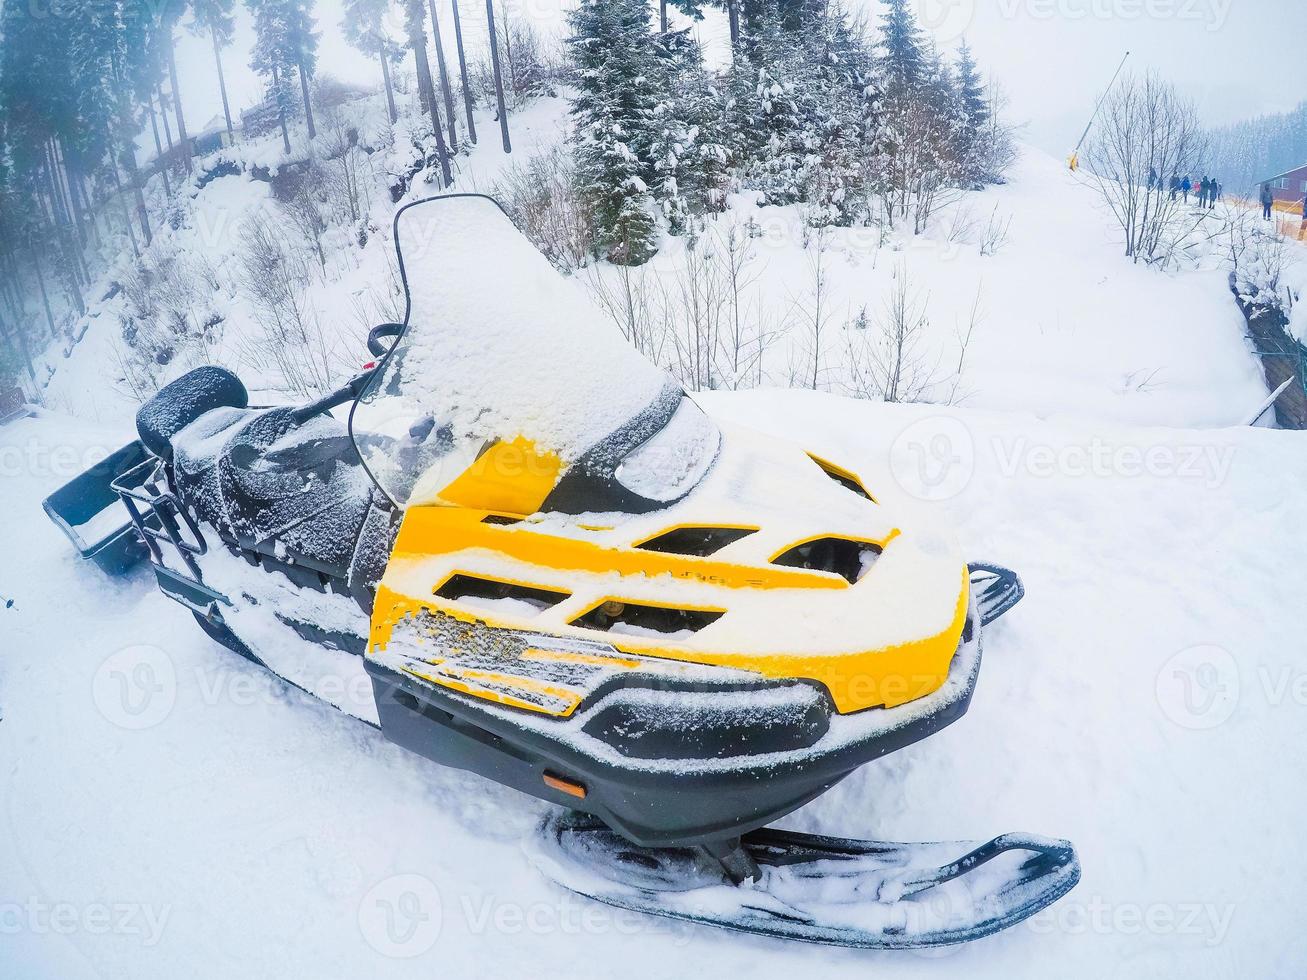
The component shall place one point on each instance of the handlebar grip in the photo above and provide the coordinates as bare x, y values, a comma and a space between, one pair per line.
379, 334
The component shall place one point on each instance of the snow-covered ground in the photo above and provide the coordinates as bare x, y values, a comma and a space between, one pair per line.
168, 810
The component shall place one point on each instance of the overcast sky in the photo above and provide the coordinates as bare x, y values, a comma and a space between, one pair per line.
1235, 58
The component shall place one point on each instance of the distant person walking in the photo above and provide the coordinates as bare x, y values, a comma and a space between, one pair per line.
1175, 186
1186, 185
1268, 201
1203, 186
1153, 179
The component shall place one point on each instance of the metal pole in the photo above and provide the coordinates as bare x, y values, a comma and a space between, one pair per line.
1101, 98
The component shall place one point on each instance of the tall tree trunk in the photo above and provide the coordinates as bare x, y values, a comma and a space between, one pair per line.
177, 108
462, 70
508, 52
27, 354
385, 77
163, 111
444, 79
160, 163
308, 103
662, 15
499, 76
281, 112
134, 177
426, 89
45, 297
75, 270
222, 82
733, 17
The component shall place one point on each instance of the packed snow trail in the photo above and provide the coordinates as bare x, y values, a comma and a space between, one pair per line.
1144, 700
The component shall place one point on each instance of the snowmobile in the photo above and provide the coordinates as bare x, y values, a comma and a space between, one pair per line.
528, 553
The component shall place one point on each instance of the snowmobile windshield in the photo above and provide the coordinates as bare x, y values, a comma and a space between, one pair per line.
500, 350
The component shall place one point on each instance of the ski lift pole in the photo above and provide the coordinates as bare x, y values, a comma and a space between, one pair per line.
1074, 162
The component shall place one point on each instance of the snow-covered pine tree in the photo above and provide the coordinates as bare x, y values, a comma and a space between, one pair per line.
364, 26
689, 164
272, 57
217, 19
843, 117
613, 49
972, 105
902, 49
285, 47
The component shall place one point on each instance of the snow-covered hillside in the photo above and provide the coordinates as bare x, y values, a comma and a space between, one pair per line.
168, 810
1062, 323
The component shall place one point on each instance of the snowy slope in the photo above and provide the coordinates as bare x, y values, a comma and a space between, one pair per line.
168, 811
1065, 324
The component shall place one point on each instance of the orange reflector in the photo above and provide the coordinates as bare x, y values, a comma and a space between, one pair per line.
564, 785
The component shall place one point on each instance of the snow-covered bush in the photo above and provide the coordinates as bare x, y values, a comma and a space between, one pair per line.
543, 199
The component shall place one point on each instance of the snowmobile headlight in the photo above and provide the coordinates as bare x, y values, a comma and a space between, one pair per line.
669, 722
673, 461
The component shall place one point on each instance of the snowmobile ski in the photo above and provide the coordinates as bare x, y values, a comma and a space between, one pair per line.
827, 890
998, 589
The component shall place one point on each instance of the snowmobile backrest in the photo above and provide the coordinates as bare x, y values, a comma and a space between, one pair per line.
180, 403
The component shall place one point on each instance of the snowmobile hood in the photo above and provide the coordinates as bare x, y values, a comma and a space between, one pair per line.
504, 361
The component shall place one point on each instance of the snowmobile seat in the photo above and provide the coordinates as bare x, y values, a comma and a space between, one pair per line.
178, 404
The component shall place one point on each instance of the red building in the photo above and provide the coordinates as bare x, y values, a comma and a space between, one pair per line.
1289, 188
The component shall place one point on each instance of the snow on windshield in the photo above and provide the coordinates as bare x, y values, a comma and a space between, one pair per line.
498, 345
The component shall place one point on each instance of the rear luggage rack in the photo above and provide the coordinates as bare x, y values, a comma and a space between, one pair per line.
148, 485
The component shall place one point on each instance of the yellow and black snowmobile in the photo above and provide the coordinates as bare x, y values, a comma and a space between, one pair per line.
531, 555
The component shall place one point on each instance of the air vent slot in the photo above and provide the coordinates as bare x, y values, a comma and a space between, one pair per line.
843, 477
695, 542
500, 519
634, 619
849, 559
505, 597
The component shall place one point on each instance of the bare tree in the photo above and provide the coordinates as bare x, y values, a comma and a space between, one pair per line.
1147, 134
887, 359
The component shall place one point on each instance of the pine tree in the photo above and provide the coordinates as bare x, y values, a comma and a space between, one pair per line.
903, 58
613, 110
972, 111
217, 19
689, 163
285, 43
364, 26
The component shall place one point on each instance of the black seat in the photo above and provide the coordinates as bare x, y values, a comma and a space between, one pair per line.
180, 403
